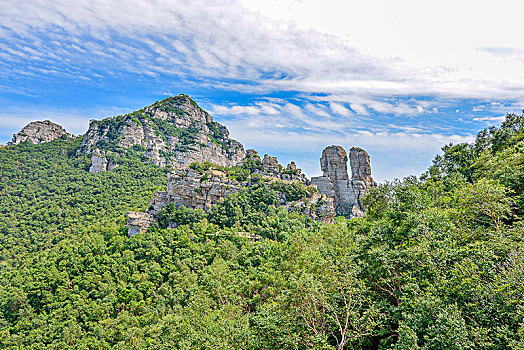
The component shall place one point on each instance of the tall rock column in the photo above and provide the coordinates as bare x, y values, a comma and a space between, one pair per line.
335, 182
361, 179
334, 165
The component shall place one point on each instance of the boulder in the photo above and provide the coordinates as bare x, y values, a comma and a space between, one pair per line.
138, 222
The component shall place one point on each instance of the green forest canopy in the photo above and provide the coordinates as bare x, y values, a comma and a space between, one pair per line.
436, 264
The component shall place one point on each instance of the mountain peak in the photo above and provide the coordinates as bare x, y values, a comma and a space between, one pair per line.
174, 131
39, 132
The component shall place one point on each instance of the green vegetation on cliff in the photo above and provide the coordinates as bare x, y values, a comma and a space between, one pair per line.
436, 264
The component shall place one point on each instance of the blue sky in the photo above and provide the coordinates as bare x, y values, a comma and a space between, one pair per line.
398, 78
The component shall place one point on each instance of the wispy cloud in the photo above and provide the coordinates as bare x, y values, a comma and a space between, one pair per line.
339, 109
158, 37
354, 73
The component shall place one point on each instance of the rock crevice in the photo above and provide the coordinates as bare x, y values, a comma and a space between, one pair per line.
336, 184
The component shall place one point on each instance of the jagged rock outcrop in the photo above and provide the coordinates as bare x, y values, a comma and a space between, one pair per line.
271, 164
335, 182
201, 186
138, 222
292, 173
192, 189
252, 154
186, 187
174, 131
292, 167
39, 132
100, 163
318, 207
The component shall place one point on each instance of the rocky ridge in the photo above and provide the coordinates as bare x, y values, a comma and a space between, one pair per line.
174, 131
39, 132
201, 186
336, 194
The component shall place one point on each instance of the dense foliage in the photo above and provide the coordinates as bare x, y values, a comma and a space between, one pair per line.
436, 264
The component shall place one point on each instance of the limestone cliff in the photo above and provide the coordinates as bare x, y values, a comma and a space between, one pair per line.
174, 131
99, 162
201, 186
192, 189
335, 182
318, 207
39, 132
138, 222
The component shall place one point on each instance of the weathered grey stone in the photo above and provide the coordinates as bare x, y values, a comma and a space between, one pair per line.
318, 207
360, 166
39, 132
324, 186
361, 179
159, 201
271, 164
211, 142
334, 165
138, 222
190, 188
252, 154
100, 163
335, 182
291, 167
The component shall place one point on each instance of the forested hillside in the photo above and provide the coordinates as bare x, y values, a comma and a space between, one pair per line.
437, 262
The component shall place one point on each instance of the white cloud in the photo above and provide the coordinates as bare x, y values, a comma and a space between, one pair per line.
318, 110
233, 110
355, 47
359, 108
375, 57
338, 108
490, 119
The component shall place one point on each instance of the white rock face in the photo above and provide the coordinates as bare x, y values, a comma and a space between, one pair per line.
335, 182
173, 132
318, 207
271, 164
138, 222
39, 132
100, 163
191, 189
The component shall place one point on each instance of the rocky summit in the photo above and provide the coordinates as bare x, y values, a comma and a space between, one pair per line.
174, 131
39, 132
